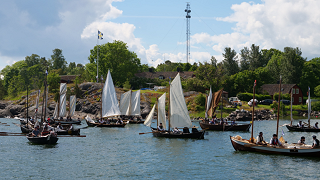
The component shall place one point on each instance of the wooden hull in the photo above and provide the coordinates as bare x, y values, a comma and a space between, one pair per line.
292, 149
304, 129
43, 140
68, 122
217, 127
69, 132
134, 122
105, 125
25, 129
166, 134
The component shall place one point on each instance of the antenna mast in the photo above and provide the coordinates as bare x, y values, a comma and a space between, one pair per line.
187, 10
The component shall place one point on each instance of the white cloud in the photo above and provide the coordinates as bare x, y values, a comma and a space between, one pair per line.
270, 25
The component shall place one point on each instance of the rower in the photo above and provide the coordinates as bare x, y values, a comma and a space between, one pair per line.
176, 130
160, 127
315, 143
194, 129
260, 139
302, 141
274, 141
35, 132
316, 125
300, 125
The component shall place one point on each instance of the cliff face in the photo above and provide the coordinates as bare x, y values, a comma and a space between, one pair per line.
89, 104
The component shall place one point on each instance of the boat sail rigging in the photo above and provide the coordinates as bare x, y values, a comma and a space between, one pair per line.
109, 99
161, 112
130, 103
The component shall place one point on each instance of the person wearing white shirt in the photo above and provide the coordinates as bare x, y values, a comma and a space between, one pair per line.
274, 141
315, 143
160, 127
260, 139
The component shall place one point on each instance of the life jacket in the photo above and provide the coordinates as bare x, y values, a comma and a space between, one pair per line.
274, 141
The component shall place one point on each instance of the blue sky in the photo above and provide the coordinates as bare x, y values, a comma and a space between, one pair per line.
156, 30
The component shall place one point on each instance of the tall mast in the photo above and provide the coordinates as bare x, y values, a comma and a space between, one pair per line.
254, 92
27, 104
45, 94
101, 100
278, 106
309, 107
221, 103
158, 112
291, 118
169, 107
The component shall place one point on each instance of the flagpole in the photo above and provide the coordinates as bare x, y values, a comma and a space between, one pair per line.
98, 57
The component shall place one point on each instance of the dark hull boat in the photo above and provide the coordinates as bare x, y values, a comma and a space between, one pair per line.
134, 121
240, 144
68, 122
25, 129
91, 124
218, 127
68, 132
49, 139
167, 134
303, 129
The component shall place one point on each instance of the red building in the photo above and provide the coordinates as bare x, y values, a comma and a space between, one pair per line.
297, 97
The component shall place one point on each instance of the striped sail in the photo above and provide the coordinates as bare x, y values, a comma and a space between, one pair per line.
72, 103
63, 100
109, 99
179, 115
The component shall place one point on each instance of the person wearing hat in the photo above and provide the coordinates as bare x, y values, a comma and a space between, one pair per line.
274, 141
302, 141
316, 125
315, 143
260, 139
160, 127
194, 129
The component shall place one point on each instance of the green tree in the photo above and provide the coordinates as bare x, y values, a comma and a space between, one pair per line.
292, 65
123, 64
230, 61
58, 61
244, 59
317, 90
53, 82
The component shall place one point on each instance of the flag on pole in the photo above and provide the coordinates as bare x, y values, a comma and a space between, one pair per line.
100, 34
282, 132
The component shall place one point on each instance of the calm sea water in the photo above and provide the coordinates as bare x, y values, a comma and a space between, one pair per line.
121, 153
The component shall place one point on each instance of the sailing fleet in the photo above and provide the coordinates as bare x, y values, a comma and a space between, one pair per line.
175, 123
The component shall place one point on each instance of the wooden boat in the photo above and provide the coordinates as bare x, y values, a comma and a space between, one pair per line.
48, 139
226, 127
92, 123
212, 102
178, 114
240, 144
307, 128
68, 122
25, 129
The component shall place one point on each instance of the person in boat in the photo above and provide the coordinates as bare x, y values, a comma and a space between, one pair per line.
108, 121
101, 121
315, 143
45, 131
186, 130
32, 121
160, 127
300, 125
79, 120
176, 131
212, 121
59, 127
233, 122
260, 139
302, 141
71, 127
35, 132
119, 121
316, 125
194, 129
61, 118
274, 141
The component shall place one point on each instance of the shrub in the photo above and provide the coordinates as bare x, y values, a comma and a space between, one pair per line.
315, 106
249, 96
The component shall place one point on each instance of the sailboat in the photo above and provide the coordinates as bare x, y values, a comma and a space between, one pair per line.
211, 105
109, 105
178, 114
130, 106
161, 102
240, 144
307, 128
50, 138
61, 107
25, 126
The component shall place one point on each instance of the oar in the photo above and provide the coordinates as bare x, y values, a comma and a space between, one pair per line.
74, 136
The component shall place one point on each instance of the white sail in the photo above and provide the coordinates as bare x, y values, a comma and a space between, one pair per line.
125, 103
162, 110
148, 120
37, 105
135, 104
89, 119
208, 103
72, 103
309, 105
109, 99
55, 113
179, 115
63, 101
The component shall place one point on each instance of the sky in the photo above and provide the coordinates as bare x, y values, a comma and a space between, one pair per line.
156, 30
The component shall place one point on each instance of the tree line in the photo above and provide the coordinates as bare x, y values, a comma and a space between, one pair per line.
235, 73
